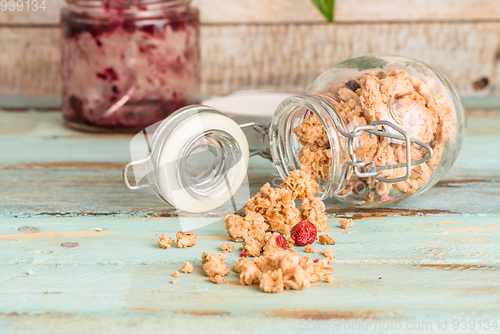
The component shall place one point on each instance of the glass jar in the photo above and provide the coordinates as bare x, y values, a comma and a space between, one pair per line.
372, 131
127, 64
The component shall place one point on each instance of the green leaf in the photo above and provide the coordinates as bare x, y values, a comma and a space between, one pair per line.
326, 7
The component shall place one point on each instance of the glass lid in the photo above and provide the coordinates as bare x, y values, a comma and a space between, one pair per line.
196, 160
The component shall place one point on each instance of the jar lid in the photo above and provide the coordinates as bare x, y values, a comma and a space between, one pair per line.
196, 159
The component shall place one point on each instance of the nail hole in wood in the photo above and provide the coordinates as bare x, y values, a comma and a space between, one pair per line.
69, 244
27, 229
481, 83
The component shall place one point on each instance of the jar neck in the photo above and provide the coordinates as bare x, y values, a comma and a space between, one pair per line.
285, 145
124, 8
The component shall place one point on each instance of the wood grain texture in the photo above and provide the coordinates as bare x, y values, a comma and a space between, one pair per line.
50, 170
285, 57
443, 269
30, 61
300, 11
431, 241
406, 269
292, 56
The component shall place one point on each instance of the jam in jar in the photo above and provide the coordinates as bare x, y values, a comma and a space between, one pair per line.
127, 64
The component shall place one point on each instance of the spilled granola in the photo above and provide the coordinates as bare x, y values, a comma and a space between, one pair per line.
278, 271
327, 252
325, 239
187, 268
214, 265
346, 223
165, 242
226, 247
248, 228
310, 249
186, 239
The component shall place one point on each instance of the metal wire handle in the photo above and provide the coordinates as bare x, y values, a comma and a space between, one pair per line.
373, 171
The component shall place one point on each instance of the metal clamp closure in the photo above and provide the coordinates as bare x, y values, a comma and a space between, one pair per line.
373, 171
263, 130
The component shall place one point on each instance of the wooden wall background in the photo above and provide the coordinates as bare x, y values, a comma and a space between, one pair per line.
286, 44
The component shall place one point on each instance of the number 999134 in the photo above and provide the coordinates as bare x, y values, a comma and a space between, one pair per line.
19, 5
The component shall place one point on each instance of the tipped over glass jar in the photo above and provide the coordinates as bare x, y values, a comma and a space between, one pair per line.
127, 64
372, 131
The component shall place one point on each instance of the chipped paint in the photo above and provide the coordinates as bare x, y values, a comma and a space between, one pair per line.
190, 312
471, 229
447, 223
82, 165
460, 182
433, 250
55, 235
216, 237
385, 212
456, 266
467, 239
319, 314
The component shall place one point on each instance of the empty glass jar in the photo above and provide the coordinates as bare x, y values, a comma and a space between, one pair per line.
127, 64
372, 131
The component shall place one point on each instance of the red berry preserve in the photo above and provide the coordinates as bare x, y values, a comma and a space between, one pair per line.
127, 64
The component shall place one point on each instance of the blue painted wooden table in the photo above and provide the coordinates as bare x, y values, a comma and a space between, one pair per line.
430, 263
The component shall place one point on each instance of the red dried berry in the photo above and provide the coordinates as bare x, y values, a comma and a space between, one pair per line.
316, 261
281, 240
385, 198
352, 85
304, 233
243, 254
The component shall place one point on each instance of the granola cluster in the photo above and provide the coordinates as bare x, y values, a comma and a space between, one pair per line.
186, 239
226, 247
277, 206
325, 239
274, 210
215, 267
346, 223
365, 99
164, 241
242, 229
284, 270
187, 268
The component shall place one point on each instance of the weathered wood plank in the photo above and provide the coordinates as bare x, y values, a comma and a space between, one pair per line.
23, 103
447, 267
271, 321
300, 11
30, 59
285, 57
80, 192
48, 169
432, 241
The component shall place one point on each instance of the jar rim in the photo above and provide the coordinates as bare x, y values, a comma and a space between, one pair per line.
125, 7
280, 138
126, 3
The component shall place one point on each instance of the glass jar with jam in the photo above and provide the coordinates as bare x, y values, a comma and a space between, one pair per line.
127, 64
372, 131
